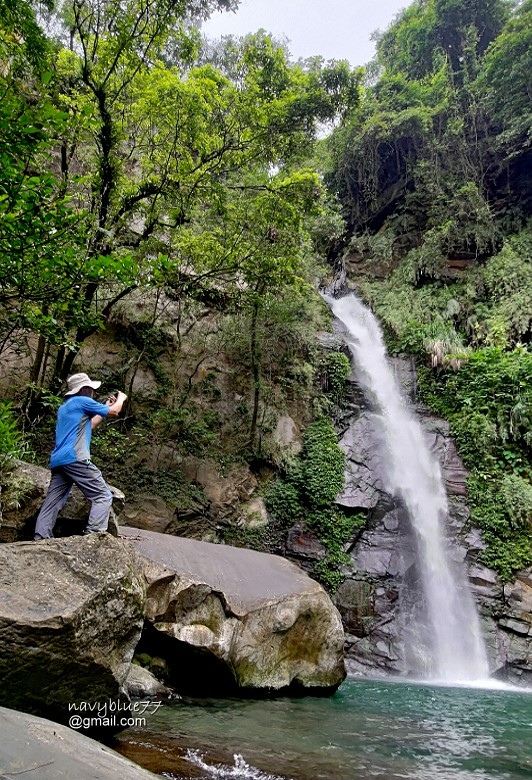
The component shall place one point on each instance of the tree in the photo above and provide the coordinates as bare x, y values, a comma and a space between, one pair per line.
41, 244
408, 46
23, 47
152, 142
505, 81
249, 252
431, 31
465, 28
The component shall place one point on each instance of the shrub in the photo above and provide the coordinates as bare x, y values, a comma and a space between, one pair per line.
335, 368
516, 495
500, 511
11, 445
334, 529
283, 501
322, 466
308, 493
489, 404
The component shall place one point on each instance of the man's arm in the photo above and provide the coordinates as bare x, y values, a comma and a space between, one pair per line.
115, 404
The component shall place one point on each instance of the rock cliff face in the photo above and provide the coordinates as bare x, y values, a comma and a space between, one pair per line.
380, 592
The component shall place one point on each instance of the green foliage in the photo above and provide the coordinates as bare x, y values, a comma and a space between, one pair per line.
335, 368
166, 168
307, 495
335, 530
509, 543
322, 465
41, 256
494, 384
489, 403
476, 437
274, 343
192, 429
503, 83
426, 32
489, 305
419, 321
23, 47
516, 494
408, 46
422, 151
112, 445
506, 287
121, 454
283, 501
11, 444
259, 538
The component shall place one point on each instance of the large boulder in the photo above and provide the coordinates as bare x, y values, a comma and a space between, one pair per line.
223, 614
150, 512
71, 614
35, 747
224, 492
23, 495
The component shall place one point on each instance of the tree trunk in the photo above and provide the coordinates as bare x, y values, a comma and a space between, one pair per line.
255, 372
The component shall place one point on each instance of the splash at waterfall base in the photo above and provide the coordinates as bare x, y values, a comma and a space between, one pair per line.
405, 603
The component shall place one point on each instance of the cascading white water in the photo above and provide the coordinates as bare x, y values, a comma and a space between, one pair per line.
414, 475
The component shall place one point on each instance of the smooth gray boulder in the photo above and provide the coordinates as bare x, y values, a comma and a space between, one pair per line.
261, 618
142, 684
37, 748
71, 614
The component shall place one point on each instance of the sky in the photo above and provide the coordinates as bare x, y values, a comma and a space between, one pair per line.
334, 29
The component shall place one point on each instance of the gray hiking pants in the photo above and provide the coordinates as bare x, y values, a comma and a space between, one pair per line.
89, 480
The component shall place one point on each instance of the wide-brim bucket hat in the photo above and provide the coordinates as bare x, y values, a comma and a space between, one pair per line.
77, 381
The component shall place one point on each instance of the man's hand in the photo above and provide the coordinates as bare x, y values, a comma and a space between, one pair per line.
116, 402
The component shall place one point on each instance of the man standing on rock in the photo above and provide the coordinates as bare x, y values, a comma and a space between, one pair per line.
70, 461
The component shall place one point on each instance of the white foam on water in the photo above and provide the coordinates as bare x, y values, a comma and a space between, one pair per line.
413, 474
240, 768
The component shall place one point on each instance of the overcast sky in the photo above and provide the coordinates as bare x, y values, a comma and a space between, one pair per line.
336, 29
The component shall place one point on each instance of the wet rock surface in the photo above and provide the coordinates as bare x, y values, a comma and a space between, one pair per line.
362, 444
140, 683
304, 544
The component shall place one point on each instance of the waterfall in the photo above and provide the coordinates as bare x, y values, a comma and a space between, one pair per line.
413, 475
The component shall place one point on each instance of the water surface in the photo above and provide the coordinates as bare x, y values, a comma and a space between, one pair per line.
369, 729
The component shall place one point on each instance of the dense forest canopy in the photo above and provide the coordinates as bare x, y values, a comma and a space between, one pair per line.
150, 161
134, 156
